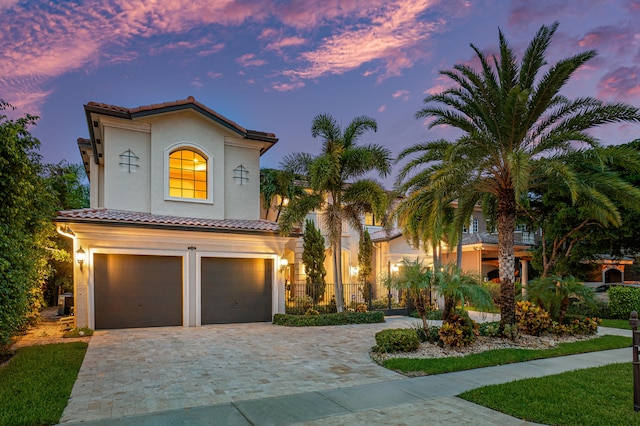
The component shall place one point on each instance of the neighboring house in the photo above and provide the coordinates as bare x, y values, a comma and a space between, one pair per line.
173, 234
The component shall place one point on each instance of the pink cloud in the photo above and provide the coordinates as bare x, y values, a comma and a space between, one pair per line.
213, 75
250, 60
621, 83
382, 108
394, 31
304, 14
401, 94
286, 42
287, 87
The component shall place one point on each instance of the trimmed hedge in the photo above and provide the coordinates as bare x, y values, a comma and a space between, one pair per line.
397, 340
623, 300
340, 318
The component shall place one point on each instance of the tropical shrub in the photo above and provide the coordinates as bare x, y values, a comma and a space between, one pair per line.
397, 340
598, 309
555, 294
531, 319
459, 331
576, 325
458, 286
622, 301
489, 329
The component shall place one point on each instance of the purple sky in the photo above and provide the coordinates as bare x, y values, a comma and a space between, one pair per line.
272, 66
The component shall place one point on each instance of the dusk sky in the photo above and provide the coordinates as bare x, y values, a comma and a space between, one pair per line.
274, 65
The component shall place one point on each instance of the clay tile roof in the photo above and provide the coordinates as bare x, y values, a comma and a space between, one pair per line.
121, 217
383, 235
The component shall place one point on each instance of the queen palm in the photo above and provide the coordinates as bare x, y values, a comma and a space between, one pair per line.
335, 178
515, 128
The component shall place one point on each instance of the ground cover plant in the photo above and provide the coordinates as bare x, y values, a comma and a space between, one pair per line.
37, 382
428, 366
594, 396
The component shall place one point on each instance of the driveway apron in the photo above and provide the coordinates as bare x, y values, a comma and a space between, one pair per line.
136, 371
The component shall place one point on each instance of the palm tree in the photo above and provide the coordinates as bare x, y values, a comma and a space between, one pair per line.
417, 279
515, 129
281, 184
457, 286
338, 190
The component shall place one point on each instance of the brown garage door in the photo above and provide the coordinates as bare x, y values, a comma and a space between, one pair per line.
137, 291
236, 290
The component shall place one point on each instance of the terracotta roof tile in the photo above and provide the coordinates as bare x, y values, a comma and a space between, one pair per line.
383, 235
102, 215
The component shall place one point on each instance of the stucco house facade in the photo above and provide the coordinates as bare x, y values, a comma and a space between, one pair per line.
173, 235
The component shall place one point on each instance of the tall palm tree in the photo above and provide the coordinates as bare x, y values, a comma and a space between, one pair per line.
335, 177
515, 128
278, 185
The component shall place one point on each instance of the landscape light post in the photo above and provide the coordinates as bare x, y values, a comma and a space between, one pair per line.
633, 322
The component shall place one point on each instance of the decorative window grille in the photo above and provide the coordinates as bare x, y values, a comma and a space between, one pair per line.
129, 161
241, 175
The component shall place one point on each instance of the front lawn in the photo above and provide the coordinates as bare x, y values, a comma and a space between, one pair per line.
616, 323
593, 396
490, 358
37, 383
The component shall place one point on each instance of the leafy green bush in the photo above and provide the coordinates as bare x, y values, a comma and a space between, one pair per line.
531, 319
489, 329
597, 309
311, 311
460, 330
429, 334
397, 340
328, 319
623, 300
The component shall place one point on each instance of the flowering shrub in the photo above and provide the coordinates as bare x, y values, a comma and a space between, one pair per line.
576, 325
532, 319
458, 331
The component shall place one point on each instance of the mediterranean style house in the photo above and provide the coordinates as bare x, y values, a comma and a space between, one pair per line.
173, 235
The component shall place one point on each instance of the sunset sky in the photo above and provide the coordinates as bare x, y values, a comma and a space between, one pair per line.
274, 65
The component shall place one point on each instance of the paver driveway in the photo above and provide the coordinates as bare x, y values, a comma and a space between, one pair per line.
137, 371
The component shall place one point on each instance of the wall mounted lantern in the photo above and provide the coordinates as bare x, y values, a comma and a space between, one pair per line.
80, 257
283, 264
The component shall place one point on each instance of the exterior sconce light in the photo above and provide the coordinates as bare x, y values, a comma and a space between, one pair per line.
354, 270
283, 264
80, 257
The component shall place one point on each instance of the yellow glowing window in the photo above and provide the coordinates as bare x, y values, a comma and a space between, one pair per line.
187, 174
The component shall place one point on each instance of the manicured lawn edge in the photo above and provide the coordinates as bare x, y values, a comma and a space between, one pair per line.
37, 382
588, 397
427, 366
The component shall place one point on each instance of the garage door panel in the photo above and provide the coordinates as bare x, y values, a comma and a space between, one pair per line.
137, 291
236, 290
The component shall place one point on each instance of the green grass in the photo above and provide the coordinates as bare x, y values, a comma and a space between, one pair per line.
594, 396
616, 323
502, 356
36, 383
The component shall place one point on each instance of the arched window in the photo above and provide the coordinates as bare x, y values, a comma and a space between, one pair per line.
188, 172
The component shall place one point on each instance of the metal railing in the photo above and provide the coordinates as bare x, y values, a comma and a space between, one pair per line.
300, 298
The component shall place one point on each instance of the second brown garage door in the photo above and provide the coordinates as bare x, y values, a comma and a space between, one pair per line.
236, 290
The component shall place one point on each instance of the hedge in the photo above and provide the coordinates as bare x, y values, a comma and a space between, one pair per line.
623, 300
397, 340
340, 318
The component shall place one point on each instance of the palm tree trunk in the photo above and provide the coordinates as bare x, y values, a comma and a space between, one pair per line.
506, 222
337, 273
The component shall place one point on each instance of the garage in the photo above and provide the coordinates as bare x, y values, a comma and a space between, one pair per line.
134, 291
236, 290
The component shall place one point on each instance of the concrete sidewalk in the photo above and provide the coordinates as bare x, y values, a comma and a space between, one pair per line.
410, 401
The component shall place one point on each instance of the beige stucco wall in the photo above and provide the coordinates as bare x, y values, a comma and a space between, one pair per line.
151, 139
123, 240
124, 189
242, 198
